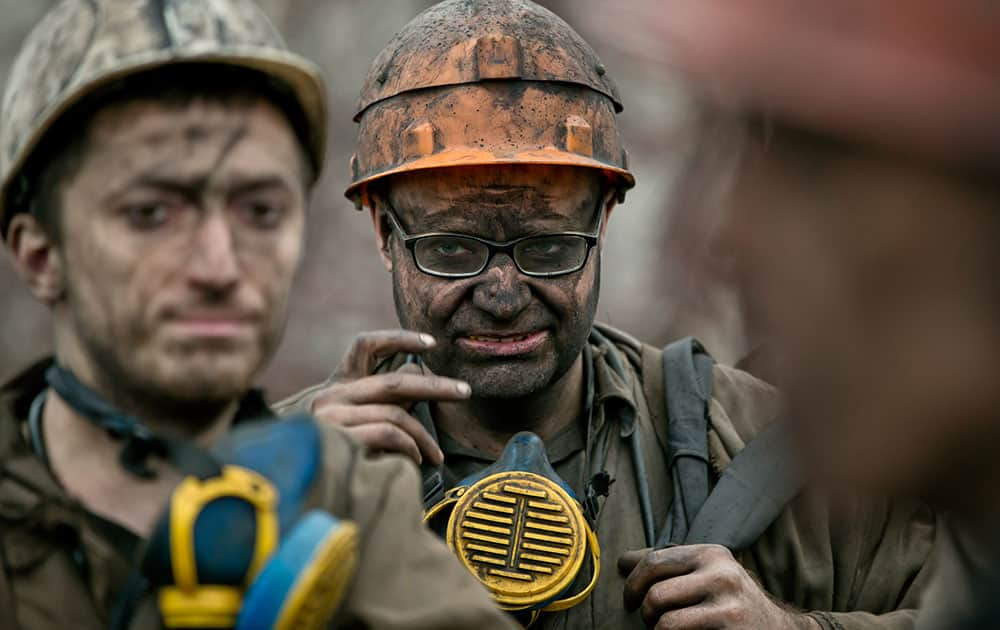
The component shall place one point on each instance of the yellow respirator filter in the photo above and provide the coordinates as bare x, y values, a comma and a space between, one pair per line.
523, 535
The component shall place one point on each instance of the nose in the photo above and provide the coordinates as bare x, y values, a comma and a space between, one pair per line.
213, 265
500, 290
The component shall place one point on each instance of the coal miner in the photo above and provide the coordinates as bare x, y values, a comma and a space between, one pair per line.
157, 160
588, 479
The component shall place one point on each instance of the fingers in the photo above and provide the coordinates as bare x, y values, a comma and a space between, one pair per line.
654, 566
393, 388
374, 408
367, 348
674, 594
386, 437
393, 426
663, 564
628, 560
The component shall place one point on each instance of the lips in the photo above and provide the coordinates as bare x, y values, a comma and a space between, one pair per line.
211, 324
503, 345
504, 339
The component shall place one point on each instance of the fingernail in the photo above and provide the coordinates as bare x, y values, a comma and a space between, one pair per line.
463, 389
427, 340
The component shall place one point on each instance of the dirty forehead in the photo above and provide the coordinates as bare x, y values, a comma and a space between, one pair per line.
562, 197
207, 150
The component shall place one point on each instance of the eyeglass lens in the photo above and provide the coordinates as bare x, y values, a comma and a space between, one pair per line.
449, 254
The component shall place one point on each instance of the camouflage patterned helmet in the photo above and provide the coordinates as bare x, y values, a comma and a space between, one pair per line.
83, 45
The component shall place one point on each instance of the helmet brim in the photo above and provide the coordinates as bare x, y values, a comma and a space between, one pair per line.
458, 157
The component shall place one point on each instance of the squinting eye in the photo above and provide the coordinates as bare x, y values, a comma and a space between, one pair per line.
451, 249
545, 248
147, 216
263, 214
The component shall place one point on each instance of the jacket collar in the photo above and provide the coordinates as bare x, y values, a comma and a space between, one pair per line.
614, 381
25, 469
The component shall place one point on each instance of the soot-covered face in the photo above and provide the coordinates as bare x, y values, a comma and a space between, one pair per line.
506, 333
182, 231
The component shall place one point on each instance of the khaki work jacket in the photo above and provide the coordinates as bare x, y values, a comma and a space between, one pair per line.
64, 567
859, 566
963, 592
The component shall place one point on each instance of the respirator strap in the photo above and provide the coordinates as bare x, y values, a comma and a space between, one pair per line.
573, 600
139, 442
139, 445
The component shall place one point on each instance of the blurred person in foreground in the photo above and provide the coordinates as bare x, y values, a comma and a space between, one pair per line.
490, 162
863, 227
157, 160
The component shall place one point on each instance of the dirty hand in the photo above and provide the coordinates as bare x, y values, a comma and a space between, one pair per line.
374, 409
694, 587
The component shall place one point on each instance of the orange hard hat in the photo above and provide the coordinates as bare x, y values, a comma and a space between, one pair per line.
484, 83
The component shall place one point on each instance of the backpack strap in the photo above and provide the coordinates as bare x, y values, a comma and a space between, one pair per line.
753, 489
751, 493
687, 386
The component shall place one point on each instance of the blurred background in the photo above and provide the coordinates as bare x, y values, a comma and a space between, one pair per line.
343, 289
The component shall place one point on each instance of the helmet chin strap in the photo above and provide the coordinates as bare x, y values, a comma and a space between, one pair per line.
139, 442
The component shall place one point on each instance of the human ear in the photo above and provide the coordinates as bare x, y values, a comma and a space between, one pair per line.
37, 259
608, 204
382, 231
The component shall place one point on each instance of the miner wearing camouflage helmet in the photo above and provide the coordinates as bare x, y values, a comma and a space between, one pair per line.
157, 159
556, 451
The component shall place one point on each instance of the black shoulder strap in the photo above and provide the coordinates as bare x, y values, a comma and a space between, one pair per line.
753, 489
752, 492
687, 380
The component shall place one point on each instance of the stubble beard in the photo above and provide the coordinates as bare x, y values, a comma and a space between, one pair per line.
505, 379
142, 377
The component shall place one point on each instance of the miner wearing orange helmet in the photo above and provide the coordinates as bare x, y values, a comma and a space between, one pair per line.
557, 451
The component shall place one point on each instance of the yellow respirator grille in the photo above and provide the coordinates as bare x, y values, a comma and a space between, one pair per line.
523, 536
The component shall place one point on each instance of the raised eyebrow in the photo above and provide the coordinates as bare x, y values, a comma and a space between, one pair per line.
188, 187
464, 211
244, 185
465, 222
194, 187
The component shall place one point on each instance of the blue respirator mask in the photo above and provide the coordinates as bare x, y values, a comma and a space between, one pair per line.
235, 550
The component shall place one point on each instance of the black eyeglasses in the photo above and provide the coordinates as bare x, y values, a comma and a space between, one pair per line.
450, 255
